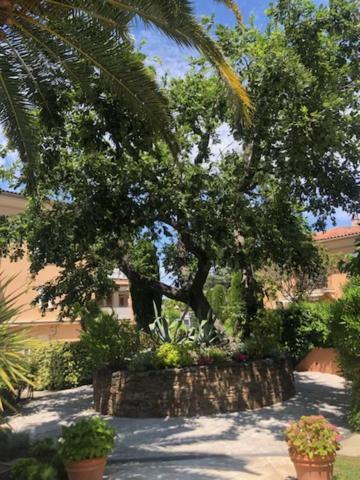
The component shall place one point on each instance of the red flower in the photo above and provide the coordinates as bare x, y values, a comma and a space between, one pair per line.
240, 357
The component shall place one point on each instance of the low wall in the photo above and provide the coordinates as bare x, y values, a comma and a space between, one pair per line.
201, 390
323, 360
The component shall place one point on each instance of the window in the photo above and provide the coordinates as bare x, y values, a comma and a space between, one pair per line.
123, 300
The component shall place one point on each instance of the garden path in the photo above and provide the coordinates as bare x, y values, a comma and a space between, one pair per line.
243, 446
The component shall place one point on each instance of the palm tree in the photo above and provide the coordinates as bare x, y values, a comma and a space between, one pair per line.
45, 41
13, 344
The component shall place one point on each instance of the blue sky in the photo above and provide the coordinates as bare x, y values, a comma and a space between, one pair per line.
174, 58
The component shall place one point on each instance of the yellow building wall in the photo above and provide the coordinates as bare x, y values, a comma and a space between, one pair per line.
31, 318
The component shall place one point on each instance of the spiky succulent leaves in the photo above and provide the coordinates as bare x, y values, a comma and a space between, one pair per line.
13, 343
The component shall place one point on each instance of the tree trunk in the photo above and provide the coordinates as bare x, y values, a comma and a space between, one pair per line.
200, 305
252, 298
146, 303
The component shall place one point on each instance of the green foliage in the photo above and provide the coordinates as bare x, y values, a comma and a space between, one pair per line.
13, 343
142, 361
346, 468
228, 304
33, 469
169, 355
204, 333
243, 210
346, 328
217, 299
312, 436
146, 303
35, 460
354, 410
264, 340
305, 325
109, 343
60, 365
165, 330
234, 311
346, 337
352, 264
94, 44
86, 439
13, 445
172, 310
212, 356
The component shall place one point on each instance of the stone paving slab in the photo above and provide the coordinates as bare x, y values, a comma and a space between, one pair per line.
211, 467
350, 447
244, 445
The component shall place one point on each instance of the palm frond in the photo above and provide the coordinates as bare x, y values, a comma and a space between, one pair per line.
15, 110
79, 38
175, 18
232, 4
120, 68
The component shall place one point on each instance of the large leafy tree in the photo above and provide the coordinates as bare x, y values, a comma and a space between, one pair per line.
61, 41
243, 209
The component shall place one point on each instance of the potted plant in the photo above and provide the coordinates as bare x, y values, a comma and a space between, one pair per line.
313, 443
84, 447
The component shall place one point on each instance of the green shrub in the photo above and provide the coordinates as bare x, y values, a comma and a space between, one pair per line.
32, 469
39, 460
57, 366
46, 451
13, 445
354, 410
170, 355
264, 340
142, 361
109, 343
86, 439
305, 325
346, 337
212, 356
346, 328
217, 298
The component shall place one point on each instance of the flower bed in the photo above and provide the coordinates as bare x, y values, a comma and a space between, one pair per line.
197, 390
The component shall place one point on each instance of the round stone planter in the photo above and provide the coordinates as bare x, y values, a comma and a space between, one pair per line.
200, 390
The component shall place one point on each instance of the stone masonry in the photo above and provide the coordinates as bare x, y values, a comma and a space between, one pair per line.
199, 390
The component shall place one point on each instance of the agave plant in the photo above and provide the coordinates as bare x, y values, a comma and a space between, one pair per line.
13, 344
204, 333
46, 41
168, 331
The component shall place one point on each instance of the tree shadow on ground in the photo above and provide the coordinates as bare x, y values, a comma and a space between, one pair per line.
188, 447
184, 467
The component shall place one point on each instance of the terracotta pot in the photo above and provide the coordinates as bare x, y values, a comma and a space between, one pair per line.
317, 468
86, 469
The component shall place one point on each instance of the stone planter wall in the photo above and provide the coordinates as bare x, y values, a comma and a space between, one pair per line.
201, 390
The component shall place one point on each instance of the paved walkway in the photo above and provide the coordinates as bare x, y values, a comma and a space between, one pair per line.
243, 446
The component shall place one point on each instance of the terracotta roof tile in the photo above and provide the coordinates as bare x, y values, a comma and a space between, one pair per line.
338, 232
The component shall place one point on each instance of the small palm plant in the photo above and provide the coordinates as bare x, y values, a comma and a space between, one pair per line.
13, 344
50, 41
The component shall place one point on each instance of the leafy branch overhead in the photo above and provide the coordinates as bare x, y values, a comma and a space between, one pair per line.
126, 203
56, 41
